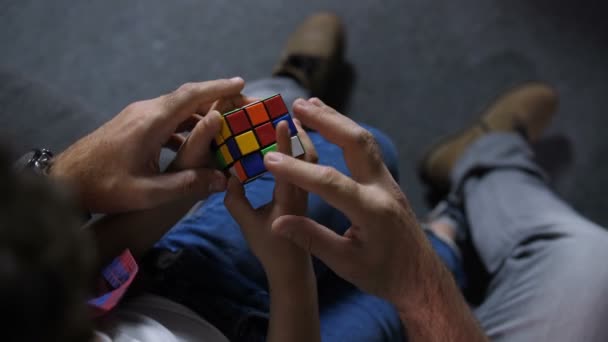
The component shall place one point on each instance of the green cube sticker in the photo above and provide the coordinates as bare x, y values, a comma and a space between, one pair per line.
271, 148
220, 159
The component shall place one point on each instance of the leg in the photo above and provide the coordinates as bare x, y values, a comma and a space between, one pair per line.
546, 261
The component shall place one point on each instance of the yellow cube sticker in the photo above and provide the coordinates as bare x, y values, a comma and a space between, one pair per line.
225, 132
226, 154
247, 142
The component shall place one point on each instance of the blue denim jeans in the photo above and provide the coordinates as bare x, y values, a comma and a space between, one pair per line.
205, 263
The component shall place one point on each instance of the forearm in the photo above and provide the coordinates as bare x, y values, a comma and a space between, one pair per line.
437, 312
294, 312
138, 230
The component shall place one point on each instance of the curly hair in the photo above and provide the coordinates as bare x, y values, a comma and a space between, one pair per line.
45, 261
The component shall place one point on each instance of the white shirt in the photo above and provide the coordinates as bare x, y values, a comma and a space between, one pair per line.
150, 318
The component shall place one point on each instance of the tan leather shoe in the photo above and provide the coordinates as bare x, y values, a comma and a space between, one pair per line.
527, 109
313, 52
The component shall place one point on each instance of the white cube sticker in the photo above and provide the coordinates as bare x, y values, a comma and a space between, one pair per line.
296, 146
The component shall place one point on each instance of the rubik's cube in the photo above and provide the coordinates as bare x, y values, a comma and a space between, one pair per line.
248, 133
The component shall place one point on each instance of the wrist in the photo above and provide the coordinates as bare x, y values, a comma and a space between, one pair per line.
415, 305
293, 288
438, 312
426, 279
285, 270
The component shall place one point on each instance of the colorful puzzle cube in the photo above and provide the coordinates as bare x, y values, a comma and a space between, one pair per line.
248, 133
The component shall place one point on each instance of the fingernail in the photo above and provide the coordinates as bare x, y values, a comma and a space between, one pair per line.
302, 103
274, 157
237, 79
315, 101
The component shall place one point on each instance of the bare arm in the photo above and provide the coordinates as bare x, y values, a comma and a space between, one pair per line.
294, 312
437, 311
137, 231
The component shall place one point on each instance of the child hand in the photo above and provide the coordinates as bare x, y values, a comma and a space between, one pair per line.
277, 254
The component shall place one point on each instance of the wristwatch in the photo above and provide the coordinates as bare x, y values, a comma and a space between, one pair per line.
38, 161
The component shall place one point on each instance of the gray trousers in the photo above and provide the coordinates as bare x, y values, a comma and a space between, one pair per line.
549, 277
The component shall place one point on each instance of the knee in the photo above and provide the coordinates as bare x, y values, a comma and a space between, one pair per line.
591, 244
582, 255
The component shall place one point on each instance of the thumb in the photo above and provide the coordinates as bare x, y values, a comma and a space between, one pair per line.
167, 187
315, 238
205, 131
195, 150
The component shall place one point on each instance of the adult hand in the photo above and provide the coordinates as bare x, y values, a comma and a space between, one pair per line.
116, 168
378, 252
197, 132
384, 252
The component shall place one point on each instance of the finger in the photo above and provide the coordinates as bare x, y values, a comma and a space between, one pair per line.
249, 100
227, 104
197, 97
283, 139
334, 187
175, 142
237, 204
334, 250
316, 101
189, 123
205, 131
283, 191
361, 151
199, 183
311, 153
195, 151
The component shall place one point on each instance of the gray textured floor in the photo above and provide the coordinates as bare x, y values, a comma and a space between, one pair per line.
423, 67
